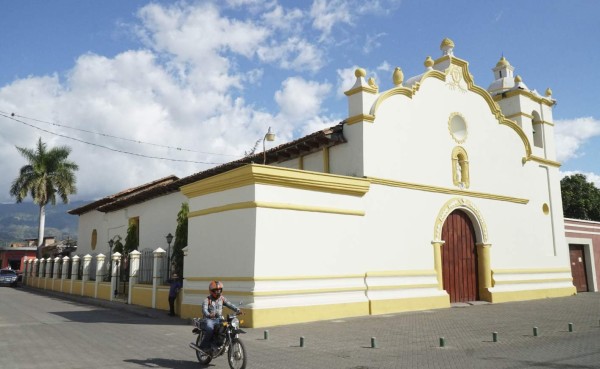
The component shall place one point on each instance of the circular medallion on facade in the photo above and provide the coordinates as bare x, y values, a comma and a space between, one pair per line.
546, 209
457, 126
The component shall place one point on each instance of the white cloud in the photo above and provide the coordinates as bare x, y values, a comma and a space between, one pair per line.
385, 66
299, 99
346, 79
326, 14
372, 42
572, 134
591, 177
295, 54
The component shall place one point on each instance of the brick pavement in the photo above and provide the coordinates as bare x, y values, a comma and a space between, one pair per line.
411, 339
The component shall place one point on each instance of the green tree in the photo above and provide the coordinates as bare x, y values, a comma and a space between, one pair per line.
181, 236
131, 241
581, 199
46, 175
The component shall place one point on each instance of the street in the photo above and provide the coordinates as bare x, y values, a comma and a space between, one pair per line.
41, 330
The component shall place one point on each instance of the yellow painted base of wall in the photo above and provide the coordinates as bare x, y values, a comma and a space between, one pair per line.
142, 296
532, 294
298, 314
104, 291
410, 304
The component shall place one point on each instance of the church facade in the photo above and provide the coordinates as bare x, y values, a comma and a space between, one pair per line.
434, 192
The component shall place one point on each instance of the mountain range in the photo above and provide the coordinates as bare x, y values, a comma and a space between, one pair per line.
20, 221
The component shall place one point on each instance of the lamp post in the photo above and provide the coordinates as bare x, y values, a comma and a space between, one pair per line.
111, 243
269, 136
169, 238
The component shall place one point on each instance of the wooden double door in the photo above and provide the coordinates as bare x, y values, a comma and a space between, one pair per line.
459, 258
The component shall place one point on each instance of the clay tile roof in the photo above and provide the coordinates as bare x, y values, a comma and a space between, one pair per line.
122, 196
308, 144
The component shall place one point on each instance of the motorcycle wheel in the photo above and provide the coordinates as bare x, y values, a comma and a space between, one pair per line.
203, 359
237, 355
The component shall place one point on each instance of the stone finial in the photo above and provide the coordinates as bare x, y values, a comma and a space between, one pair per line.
360, 72
518, 79
398, 76
372, 83
447, 47
428, 62
548, 92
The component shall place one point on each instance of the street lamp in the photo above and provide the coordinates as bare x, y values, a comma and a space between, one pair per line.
269, 136
169, 239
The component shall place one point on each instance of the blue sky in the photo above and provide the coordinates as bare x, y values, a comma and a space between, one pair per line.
210, 77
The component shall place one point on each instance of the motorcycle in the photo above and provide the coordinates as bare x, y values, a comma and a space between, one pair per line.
226, 340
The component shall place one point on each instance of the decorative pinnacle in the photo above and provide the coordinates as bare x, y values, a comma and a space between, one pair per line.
372, 83
502, 62
518, 79
428, 62
398, 76
360, 72
446, 43
548, 92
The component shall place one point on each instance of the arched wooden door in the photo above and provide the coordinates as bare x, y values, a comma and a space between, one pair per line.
459, 258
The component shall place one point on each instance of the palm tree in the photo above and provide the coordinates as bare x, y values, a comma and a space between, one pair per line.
47, 174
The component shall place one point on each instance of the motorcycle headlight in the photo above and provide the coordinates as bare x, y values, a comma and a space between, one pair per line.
235, 323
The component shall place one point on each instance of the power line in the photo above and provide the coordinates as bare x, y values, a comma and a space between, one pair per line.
102, 146
112, 136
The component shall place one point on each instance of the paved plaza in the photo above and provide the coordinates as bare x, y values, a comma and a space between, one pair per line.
124, 336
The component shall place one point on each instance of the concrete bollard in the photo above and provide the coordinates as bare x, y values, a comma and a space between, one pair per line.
301, 341
266, 335
495, 336
535, 331
442, 342
373, 342
570, 327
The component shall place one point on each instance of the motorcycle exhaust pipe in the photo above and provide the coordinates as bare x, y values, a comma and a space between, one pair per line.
195, 347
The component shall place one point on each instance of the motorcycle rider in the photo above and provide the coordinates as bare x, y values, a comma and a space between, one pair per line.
212, 310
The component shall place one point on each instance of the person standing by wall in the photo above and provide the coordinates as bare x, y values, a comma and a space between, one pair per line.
176, 285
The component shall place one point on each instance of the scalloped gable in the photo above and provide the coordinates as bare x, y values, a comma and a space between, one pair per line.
447, 75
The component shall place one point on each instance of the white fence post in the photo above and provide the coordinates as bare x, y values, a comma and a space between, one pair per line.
99, 272
114, 283
55, 267
87, 259
159, 254
65, 267
49, 265
134, 271
74, 271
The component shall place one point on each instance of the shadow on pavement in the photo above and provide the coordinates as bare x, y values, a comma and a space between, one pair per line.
167, 363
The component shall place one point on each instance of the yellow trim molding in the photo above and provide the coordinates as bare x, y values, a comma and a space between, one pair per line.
401, 273
537, 159
257, 318
532, 294
537, 99
526, 281
519, 114
254, 174
445, 190
275, 278
358, 89
359, 118
274, 205
449, 207
377, 307
532, 271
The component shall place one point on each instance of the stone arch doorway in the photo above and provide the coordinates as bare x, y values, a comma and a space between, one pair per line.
460, 271
469, 214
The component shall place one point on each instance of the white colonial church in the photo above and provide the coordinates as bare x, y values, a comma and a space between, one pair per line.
433, 192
